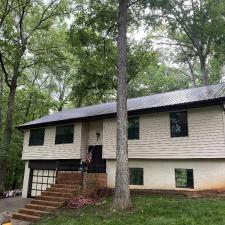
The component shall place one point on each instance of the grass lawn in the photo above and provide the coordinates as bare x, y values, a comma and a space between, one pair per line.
151, 210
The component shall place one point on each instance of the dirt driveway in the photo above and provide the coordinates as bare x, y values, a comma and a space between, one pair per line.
13, 205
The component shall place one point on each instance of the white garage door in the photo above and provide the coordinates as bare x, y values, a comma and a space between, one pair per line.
41, 180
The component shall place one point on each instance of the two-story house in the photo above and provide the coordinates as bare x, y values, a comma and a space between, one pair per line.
176, 141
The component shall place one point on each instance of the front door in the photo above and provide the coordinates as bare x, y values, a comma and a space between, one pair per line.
98, 164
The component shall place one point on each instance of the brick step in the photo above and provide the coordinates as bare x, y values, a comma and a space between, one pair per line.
63, 190
26, 217
41, 207
71, 182
33, 212
69, 176
70, 186
47, 203
52, 198
56, 194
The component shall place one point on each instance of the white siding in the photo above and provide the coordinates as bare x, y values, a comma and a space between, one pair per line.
94, 127
50, 150
205, 139
84, 139
160, 174
25, 180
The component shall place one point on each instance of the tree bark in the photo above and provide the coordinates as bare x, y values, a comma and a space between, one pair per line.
1, 102
204, 71
121, 200
7, 134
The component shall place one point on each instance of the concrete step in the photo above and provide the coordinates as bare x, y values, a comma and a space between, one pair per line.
33, 212
57, 194
41, 207
26, 217
52, 198
47, 203
63, 190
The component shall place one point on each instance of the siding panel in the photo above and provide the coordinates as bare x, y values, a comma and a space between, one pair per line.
51, 151
94, 127
205, 139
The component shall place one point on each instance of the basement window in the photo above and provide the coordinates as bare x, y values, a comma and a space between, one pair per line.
184, 178
64, 134
178, 124
136, 176
133, 128
37, 136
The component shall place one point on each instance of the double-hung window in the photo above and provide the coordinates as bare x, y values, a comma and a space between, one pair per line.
37, 136
178, 124
64, 134
136, 176
133, 128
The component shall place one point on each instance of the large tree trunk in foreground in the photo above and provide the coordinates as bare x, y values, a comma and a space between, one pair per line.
121, 200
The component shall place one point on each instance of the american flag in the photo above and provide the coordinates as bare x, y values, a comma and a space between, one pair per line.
88, 159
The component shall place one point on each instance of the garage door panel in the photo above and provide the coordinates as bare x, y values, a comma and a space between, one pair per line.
41, 180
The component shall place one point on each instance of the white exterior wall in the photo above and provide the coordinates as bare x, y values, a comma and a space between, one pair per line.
95, 127
160, 174
25, 180
205, 140
84, 135
50, 150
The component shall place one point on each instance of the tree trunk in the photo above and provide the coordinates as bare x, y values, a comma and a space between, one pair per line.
7, 133
121, 200
2, 174
192, 73
1, 102
204, 71
61, 97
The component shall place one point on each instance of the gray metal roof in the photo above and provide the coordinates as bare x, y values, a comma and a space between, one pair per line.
206, 94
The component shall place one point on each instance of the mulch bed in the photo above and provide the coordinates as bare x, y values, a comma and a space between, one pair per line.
191, 194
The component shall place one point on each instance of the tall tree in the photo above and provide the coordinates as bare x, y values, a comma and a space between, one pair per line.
122, 200
194, 25
24, 21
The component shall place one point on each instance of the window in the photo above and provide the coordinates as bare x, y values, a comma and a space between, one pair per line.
184, 178
64, 134
133, 128
178, 124
37, 137
136, 176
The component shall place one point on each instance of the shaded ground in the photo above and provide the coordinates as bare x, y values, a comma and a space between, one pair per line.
12, 205
148, 210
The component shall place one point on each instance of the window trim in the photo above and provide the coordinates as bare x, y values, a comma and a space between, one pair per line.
186, 187
139, 168
171, 133
64, 126
43, 141
133, 117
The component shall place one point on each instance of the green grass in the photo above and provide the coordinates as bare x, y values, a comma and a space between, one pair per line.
151, 210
